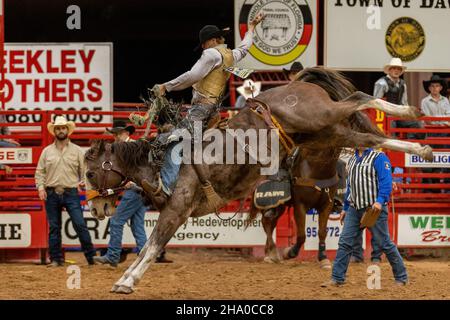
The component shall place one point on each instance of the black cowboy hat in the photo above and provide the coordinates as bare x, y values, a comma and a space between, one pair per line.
119, 125
210, 32
435, 79
295, 67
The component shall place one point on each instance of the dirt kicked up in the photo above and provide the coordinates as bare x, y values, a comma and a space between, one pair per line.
216, 274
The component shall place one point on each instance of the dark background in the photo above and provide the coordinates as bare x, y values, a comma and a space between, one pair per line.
153, 40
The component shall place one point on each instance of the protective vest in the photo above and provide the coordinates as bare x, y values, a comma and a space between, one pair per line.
213, 85
395, 93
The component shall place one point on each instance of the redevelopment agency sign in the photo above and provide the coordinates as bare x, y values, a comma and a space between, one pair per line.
208, 230
287, 34
363, 35
15, 230
431, 230
58, 76
440, 160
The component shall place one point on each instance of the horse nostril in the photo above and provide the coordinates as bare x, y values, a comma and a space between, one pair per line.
90, 175
94, 212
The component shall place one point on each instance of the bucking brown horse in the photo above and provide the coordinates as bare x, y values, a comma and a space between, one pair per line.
299, 108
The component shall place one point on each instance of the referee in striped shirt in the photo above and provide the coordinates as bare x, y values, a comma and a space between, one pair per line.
369, 184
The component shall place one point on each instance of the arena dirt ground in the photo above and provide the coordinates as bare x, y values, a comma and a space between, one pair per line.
219, 274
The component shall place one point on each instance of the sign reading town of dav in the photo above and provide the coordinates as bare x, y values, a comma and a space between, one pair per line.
334, 230
58, 76
16, 155
15, 230
431, 230
288, 32
203, 231
364, 35
440, 160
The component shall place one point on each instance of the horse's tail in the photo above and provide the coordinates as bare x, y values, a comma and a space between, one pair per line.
338, 88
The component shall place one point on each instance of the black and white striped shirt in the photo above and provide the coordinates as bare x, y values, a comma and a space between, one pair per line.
363, 181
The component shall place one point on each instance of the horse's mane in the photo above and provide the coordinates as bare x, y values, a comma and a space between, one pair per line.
338, 88
131, 155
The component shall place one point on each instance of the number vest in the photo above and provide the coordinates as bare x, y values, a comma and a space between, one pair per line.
213, 85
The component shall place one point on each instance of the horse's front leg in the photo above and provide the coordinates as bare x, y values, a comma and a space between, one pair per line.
323, 222
269, 223
168, 223
300, 221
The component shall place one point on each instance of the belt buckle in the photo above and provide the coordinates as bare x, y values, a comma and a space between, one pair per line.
59, 190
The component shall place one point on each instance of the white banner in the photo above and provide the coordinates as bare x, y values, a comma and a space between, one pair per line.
15, 230
287, 34
431, 230
440, 160
334, 230
204, 231
16, 155
363, 35
59, 76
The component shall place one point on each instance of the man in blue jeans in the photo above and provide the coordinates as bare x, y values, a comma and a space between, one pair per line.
59, 175
131, 207
369, 184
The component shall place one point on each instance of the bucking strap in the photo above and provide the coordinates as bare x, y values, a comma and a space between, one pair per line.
315, 183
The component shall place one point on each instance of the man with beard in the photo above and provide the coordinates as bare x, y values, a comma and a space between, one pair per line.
59, 178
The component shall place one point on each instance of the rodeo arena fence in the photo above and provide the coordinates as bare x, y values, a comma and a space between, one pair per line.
419, 217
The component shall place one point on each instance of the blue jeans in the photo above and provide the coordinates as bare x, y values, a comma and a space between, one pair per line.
132, 208
6, 144
170, 169
358, 251
53, 206
380, 232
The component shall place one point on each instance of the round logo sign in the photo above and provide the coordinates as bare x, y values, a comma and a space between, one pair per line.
283, 35
405, 39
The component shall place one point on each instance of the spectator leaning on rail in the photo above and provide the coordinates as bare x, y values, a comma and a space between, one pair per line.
436, 105
59, 177
292, 73
392, 88
208, 78
369, 184
249, 89
6, 143
131, 207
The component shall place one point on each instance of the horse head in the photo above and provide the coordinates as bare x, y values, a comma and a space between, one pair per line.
109, 167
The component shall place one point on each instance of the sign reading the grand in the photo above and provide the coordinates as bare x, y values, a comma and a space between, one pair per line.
363, 35
287, 33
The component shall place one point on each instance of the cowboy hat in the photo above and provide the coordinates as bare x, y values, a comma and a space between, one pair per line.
119, 125
249, 89
295, 67
395, 62
435, 79
210, 32
61, 121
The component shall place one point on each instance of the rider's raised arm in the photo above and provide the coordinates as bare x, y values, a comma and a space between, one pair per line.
209, 60
242, 49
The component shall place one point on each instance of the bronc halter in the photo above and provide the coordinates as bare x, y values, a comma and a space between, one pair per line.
107, 166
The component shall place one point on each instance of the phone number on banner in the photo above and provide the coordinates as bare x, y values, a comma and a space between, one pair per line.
29, 118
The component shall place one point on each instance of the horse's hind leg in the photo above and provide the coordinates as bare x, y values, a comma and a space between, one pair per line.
168, 223
364, 101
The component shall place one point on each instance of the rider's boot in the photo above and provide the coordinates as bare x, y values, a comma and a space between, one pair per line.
155, 193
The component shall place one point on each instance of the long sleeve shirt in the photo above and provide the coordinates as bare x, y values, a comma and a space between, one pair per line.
210, 59
433, 108
382, 87
64, 168
382, 167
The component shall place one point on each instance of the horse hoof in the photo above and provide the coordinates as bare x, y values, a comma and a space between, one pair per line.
287, 254
271, 260
114, 288
325, 264
123, 289
427, 153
